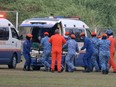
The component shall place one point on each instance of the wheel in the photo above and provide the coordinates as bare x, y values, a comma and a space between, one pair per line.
13, 62
35, 67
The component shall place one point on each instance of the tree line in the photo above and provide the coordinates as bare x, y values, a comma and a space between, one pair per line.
96, 13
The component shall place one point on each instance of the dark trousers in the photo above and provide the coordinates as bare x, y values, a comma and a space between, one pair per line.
27, 61
87, 60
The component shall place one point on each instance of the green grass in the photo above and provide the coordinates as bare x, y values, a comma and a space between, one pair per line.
19, 78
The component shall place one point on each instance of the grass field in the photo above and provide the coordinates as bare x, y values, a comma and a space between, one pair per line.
20, 78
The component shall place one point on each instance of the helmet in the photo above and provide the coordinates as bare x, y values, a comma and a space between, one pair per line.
104, 35
82, 34
98, 36
93, 33
46, 33
29, 35
72, 36
109, 32
67, 33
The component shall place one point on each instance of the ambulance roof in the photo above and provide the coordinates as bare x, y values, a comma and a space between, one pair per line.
5, 23
50, 22
73, 23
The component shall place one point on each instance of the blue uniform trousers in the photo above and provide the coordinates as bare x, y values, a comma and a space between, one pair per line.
27, 61
95, 60
87, 60
45, 60
70, 62
104, 58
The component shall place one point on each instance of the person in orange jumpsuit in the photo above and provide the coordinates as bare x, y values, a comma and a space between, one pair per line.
112, 49
56, 41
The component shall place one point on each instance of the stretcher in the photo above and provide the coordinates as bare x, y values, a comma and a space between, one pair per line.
36, 63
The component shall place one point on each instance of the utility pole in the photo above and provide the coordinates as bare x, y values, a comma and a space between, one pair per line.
16, 12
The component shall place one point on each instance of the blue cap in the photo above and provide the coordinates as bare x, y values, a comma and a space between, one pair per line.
109, 32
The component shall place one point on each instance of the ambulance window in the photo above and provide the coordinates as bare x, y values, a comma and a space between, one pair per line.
77, 34
38, 33
14, 33
88, 33
70, 30
4, 33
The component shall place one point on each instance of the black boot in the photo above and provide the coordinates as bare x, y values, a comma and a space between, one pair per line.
103, 72
88, 70
85, 69
66, 68
29, 68
106, 71
24, 68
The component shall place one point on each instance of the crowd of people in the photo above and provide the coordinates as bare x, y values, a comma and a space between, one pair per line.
99, 54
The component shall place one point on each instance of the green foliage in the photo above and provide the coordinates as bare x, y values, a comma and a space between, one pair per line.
96, 13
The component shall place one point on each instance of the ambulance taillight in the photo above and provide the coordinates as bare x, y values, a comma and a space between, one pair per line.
2, 15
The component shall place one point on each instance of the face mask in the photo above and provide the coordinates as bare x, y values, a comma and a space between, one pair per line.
81, 37
65, 36
39, 38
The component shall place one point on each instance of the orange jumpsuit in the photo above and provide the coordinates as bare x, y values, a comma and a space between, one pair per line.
56, 41
112, 53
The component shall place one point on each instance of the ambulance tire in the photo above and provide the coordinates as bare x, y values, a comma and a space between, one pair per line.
35, 67
13, 62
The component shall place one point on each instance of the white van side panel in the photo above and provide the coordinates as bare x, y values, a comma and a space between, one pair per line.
73, 23
10, 46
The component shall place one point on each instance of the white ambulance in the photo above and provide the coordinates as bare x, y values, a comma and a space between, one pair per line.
37, 26
10, 44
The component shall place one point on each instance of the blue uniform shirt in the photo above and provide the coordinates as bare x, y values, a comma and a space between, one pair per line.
104, 45
27, 46
72, 46
95, 42
87, 44
46, 45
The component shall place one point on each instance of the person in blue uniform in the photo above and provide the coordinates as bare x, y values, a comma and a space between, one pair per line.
95, 55
72, 49
104, 54
98, 60
26, 52
46, 51
89, 51
67, 37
